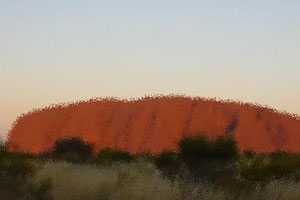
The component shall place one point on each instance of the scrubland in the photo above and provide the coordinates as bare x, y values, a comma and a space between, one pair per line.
200, 170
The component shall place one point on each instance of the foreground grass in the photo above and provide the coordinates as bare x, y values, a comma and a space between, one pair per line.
121, 181
138, 180
141, 180
201, 170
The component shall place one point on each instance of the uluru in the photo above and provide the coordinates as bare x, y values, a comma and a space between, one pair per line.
155, 123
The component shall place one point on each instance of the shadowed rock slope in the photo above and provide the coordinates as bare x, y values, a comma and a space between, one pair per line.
154, 124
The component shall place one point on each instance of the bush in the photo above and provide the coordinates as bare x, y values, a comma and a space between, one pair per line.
168, 163
112, 155
225, 148
15, 169
265, 167
207, 158
72, 149
194, 149
254, 169
284, 164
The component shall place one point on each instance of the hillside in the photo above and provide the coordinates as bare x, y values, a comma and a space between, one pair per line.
154, 124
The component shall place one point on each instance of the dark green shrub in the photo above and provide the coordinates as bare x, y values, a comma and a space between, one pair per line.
269, 166
15, 168
255, 168
208, 158
195, 152
225, 148
72, 145
168, 163
193, 149
112, 155
72, 149
283, 164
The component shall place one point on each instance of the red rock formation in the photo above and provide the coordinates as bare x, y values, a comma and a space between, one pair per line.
154, 124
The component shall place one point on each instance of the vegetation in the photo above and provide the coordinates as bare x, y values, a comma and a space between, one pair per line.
15, 172
72, 149
205, 158
168, 163
201, 169
112, 155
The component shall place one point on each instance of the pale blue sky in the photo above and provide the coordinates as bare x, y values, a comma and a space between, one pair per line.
56, 51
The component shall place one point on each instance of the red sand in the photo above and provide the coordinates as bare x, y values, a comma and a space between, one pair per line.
154, 124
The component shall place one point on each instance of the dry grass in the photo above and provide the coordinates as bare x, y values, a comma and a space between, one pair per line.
123, 181
276, 189
142, 181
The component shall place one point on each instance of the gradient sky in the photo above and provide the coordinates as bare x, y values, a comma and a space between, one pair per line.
59, 51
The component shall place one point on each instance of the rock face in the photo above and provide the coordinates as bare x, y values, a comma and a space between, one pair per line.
155, 124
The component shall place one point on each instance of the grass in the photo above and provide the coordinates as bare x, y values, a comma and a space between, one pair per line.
120, 181
117, 175
141, 180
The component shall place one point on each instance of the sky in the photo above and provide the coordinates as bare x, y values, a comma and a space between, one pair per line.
65, 50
